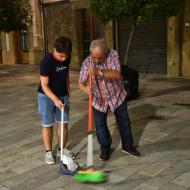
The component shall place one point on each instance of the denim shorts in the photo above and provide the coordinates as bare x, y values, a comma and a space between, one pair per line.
50, 114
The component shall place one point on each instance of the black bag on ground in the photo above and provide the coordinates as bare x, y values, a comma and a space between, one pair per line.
130, 81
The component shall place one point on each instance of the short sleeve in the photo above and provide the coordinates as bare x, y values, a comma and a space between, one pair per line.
68, 61
84, 70
45, 66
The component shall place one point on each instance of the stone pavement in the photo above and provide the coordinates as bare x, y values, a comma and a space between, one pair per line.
160, 122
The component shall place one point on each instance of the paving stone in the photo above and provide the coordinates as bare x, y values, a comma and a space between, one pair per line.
137, 176
178, 155
28, 166
152, 134
129, 170
9, 159
113, 178
27, 140
154, 169
33, 150
7, 175
172, 186
12, 138
5, 148
126, 184
99, 187
183, 180
11, 152
56, 183
52, 174
144, 186
9, 166
178, 167
124, 161
154, 157
4, 188
29, 184
80, 186
16, 180
161, 180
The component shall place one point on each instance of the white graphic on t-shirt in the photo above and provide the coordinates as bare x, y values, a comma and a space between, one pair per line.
60, 68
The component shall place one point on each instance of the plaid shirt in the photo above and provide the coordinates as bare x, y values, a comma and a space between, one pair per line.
107, 92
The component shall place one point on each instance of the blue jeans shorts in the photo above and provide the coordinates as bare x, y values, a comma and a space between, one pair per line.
50, 114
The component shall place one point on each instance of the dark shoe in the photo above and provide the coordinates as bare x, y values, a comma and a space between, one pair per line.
105, 155
133, 152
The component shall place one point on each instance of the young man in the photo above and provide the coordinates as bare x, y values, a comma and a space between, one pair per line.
108, 93
53, 94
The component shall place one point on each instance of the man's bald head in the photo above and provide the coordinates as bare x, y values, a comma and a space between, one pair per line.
99, 45
98, 50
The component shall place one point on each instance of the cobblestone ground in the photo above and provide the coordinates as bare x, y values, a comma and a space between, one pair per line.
160, 122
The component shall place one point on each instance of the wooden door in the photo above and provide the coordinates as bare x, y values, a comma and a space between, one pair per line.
23, 50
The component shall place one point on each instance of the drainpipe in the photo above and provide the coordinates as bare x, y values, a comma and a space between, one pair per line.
44, 30
115, 35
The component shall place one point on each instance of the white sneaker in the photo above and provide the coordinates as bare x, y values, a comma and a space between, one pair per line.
66, 152
49, 158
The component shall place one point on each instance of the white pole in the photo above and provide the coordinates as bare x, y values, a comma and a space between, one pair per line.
90, 150
7, 41
62, 123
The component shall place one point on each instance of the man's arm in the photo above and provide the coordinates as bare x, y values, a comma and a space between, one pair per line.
111, 74
44, 82
68, 84
84, 87
105, 73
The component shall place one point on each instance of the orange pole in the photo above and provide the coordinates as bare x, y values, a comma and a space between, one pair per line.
90, 127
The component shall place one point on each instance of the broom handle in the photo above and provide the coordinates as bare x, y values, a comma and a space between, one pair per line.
62, 125
90, 107
90, 135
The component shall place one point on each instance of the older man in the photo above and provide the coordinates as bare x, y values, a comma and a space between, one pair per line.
108, 93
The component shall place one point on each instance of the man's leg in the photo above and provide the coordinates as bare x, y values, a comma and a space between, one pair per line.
124, 127
47, 135
46, 106
102, 133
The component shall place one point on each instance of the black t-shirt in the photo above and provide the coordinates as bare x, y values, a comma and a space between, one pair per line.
57, 72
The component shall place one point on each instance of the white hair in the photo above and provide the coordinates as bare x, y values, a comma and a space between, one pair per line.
99, 43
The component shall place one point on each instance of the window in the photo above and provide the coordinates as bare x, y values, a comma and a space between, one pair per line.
24, 41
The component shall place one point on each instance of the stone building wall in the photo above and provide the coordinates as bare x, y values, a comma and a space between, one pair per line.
179, 43
186, 41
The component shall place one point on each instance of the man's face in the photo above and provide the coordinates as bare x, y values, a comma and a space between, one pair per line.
97, 56
60, 56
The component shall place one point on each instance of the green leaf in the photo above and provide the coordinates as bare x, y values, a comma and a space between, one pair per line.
139, 10
15, 15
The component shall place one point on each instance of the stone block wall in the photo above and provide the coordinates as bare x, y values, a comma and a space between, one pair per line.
186, 41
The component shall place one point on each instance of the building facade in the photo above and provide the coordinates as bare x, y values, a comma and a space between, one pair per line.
162, 46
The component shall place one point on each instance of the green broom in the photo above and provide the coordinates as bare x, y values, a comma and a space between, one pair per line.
90, 175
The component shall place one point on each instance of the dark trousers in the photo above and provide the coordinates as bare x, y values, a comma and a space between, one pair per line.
123, 123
